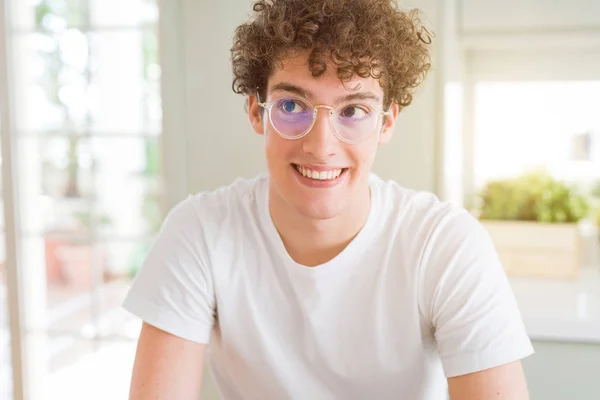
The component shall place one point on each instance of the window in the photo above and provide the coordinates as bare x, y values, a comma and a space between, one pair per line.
521, 111
518, 112
522, 126
87, 129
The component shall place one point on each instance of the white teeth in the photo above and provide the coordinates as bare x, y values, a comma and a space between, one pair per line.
319, 175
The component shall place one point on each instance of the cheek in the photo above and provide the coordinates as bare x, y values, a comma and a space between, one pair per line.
277, 149
364, 153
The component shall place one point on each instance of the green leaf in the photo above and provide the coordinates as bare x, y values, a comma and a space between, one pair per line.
534, 196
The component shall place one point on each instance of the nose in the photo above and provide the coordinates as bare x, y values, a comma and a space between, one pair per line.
321, 142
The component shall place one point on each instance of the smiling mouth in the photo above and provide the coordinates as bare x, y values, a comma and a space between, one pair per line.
326, 175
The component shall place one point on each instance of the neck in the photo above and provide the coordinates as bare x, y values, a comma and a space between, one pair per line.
313, 242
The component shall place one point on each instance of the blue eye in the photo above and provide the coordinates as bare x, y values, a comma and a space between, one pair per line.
291, 106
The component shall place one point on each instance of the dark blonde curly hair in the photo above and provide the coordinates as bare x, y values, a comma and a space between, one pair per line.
361, 37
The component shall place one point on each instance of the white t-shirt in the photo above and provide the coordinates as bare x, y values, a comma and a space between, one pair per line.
419, 295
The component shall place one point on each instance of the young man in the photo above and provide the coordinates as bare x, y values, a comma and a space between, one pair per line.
321, 280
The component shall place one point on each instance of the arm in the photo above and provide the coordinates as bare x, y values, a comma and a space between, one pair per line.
166, 367
472, 311
506, 382
173, 294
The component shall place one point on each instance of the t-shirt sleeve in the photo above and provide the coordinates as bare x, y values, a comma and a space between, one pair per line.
173, 290
468, 299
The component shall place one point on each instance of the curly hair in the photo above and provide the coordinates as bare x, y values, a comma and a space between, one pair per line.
361, 37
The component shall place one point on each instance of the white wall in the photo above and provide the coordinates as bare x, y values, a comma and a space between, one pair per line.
221, 144
413, 158
480, 16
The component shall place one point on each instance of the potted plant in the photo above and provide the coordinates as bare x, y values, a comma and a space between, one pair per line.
533, 222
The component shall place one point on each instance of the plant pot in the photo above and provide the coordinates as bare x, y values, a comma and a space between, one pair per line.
71, 263
537, 250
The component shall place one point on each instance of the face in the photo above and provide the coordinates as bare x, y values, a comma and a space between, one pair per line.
318, 175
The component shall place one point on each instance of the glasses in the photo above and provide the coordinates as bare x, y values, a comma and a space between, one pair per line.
294, 117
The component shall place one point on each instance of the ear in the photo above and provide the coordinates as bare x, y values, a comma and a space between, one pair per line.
255, 115
387, 130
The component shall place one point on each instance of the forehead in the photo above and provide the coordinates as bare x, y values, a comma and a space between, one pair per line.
294, 71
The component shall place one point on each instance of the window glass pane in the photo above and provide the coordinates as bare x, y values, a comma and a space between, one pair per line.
74, 292
124, 260
123, 97
55, 177
77, 188
59, 276
85, 297
52, 15
88, 116
152, 72
70, 82
78, 287
71, 368
522, 126
127, 186
122, 12
51, 74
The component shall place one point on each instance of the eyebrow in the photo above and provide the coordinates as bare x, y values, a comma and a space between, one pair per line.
291, 88
288, 87
358, 96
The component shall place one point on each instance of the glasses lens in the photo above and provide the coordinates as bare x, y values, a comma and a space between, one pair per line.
355, 123
291, 117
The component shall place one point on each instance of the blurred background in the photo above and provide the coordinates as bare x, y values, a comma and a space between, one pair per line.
112, 111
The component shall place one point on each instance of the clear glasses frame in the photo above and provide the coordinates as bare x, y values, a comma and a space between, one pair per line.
268, 106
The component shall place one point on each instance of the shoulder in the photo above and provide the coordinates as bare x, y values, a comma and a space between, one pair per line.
240, 190
211, 213
221, 202
419, 211
422, 226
